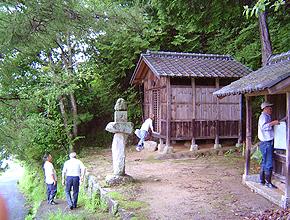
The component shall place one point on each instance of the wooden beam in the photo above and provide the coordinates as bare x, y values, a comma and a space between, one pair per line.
264, 92
193, 143
168, 117
217, 140
280, 86
240, 131
248, 134
193, 98
287, 187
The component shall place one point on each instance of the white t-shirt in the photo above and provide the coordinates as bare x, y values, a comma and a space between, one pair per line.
147, 124
73, 167
265, 130
49, 172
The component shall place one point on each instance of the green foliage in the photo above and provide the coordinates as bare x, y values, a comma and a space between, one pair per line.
93, 203
33, 186
35, 76
126, 203
229, 152
261, 6
257, 155
109, 37
103, 139
65, 216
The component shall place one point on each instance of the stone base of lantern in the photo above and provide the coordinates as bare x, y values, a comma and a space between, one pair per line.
114, 180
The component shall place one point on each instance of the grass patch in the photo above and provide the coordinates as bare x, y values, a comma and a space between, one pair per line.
59, 215
151, 159
33, 186
93, 203
125, 203
64, 216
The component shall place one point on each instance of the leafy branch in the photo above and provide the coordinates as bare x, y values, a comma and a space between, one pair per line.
261, 6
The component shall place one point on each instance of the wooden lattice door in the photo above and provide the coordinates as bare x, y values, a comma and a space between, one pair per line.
156, 108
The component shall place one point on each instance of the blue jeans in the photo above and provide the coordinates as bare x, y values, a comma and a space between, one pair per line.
51, 191
143, 135
266, 148
72, 181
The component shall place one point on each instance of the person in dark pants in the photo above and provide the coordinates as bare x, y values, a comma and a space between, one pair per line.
50, 179
266, 136
73, 172
144, 132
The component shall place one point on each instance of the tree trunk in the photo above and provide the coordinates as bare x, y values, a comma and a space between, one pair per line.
65, 122
265, 38
64, 114
69, 68
75, 114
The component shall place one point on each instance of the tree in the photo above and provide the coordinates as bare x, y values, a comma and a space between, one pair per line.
259, 10
51, 98
41, 43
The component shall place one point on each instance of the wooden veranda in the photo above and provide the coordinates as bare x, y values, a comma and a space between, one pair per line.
273, 82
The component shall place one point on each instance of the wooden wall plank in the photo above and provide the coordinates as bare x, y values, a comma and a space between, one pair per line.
287, 191
248, 134
168, 119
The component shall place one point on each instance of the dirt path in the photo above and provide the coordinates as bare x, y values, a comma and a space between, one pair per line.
205, 188
45, 209
198, 188
61, 210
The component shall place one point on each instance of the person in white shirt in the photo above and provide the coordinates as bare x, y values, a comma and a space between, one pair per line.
73, 172
266, 136
144, 131
50, 179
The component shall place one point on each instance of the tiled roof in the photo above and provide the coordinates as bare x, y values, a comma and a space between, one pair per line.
276, 70
192, 65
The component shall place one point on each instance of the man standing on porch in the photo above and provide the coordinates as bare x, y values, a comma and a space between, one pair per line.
266, 136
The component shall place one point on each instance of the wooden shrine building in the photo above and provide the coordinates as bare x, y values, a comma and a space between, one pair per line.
178, 89
273, 83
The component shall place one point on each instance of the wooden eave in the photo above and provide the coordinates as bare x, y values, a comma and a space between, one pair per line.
141, 70
279, 88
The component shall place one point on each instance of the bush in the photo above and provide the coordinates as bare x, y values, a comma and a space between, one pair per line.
93, 203
32, 185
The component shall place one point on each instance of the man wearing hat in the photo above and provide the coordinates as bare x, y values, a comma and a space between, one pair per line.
266, 136
74, 171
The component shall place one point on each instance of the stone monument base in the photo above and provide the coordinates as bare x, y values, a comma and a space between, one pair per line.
217, 146
193, 147
113, 180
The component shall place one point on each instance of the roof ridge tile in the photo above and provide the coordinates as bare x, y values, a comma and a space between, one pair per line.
278, 58
190, 55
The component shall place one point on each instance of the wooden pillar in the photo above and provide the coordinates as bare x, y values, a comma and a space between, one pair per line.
161, 145
286, 202
193, 146
248, 134
151, 110
168, 148
240, 129
217, 139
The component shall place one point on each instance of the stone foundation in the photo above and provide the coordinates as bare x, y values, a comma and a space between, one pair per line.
93, 187
114, 180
